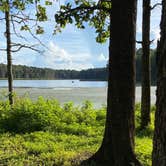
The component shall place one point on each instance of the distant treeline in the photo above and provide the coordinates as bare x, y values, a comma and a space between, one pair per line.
153, 66
20, 71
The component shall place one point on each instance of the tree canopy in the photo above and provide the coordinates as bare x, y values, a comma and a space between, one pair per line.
81, 12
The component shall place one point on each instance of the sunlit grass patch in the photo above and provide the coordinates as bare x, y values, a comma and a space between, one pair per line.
44, 133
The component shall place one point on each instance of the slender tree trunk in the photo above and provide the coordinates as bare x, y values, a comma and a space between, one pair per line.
9, 56
145, 98
159, 140
117, 148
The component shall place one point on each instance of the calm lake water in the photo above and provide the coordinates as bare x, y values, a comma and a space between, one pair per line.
54, 83
68, 90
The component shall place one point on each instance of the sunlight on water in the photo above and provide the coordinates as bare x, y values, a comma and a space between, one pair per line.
54, 83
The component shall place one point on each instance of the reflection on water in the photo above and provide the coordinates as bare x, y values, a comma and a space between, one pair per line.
54, 83
64, 90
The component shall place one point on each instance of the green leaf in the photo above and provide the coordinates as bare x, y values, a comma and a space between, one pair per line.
48, 3
24, 28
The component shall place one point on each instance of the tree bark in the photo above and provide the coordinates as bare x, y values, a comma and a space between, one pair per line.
9, 56
159, 140
145, 98
117, 148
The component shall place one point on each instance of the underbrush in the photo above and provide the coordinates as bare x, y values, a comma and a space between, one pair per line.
43, 132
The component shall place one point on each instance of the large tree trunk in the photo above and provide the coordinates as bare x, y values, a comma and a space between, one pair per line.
145, 98
117, 148
159, 140
9, 56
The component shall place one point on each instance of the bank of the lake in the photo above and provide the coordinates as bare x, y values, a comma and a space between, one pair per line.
97, 95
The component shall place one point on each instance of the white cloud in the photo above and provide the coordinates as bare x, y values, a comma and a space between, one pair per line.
58, 58
156, 34
3, 58
73, 48
24, 59
139, 29
102, 58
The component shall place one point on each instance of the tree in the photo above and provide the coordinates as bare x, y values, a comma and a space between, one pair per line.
118, 142
159, 140
146, 63
9, 57
96, 14
145, 97
117, 148
21, 19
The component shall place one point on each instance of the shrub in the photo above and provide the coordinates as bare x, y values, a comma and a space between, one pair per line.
56, 135
47, 115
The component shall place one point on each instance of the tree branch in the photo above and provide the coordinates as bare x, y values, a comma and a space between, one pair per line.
138, 42
154, 6
97, 7
24, 18
151, 42
15, 31
2, 19
23, 21
20, 46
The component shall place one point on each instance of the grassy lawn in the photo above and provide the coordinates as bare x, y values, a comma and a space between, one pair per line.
44, 133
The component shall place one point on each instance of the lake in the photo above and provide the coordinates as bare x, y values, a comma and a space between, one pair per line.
68, 90
54, 83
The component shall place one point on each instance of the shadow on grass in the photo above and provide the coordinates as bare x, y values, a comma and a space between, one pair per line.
147, 132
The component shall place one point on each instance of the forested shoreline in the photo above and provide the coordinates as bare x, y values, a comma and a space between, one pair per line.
99, 74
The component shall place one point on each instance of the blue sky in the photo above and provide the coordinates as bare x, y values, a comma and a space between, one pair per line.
73, 48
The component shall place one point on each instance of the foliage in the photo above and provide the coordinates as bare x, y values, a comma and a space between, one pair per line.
19, 16
83, 11
28, 116
144, 137
20, 72
43, 132
144, 150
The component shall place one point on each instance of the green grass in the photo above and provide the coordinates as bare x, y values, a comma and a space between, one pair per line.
44, 133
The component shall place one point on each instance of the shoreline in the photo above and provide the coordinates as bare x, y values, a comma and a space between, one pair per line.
62, 87
35, 79
77, 95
